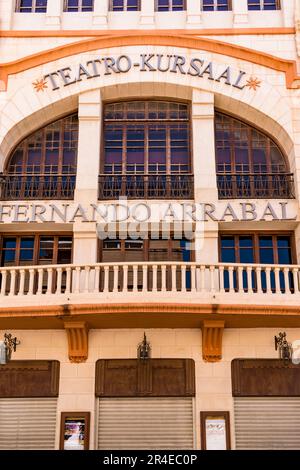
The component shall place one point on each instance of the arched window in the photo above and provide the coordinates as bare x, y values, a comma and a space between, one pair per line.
43, 166
146, 150
249, 163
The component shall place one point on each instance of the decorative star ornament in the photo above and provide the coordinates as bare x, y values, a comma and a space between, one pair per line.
253, 83
40, 85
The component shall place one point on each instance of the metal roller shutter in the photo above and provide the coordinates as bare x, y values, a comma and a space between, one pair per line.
27, 423
145, 423
267, 423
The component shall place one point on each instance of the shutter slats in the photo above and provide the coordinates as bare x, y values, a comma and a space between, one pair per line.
145, 423
27, 424
267, 423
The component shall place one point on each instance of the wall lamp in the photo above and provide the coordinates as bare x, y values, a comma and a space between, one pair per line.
144, 349
284, 348
7, 347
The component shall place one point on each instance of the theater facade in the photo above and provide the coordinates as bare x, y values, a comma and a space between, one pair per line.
149, 224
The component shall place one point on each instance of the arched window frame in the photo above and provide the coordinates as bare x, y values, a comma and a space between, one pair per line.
169, 179
40, 179
238, 180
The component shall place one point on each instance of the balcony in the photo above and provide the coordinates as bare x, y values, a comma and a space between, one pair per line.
255, 186
37, 186
141, 283
141, 186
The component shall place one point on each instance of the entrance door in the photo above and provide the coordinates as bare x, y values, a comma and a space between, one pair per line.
145, 404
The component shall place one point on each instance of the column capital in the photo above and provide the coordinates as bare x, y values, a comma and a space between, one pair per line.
147, 18
193, 13
54, 12
240, 11
100, 13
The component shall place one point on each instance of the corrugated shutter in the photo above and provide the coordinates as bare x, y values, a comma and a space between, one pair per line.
267, 423
27, 423
145, 423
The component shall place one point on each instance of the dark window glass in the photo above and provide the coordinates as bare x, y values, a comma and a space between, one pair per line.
249, 163
31, 6
78, 5
146, 137
216, 5
264, 5
43, 250
43, 166
170, 5
125, 5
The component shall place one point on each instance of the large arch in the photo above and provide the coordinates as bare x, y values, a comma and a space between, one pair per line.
132, 90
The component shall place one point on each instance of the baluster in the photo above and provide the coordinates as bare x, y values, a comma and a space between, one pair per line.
3, 282
277, 281
258, 280
125, 278
221, 279
49, 280
106, 279
202, 270
212, 279
287, 287
12, 283
97, 280
116, 279
86, 279
249, 280
296, 279
163, 278
198, 279
40, 281
135, 278
58, 280
183, 278
231, 279
31, 281
68, 280
22, 282
154, 278
145, 278
268, 281
193, 278
241, 287
174, 286
77, 280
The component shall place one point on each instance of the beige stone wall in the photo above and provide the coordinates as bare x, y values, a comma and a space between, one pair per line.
213, 381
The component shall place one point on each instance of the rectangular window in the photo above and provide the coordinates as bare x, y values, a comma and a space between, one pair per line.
78, 5
256, 248
262, 249
31, 6
24, 250
216, 5
264, 5
170, 5
125, 5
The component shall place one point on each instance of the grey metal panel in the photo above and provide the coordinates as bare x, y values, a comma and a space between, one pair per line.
145, 423
27, 423
267, 423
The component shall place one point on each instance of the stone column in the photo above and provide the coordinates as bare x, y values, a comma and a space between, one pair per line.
240, 12
147, 14
193, 13
100, 13
288, 12
7, 8
204, 174
88, 161
53, 14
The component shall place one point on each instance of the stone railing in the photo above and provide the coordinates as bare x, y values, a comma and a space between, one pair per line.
219, 283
